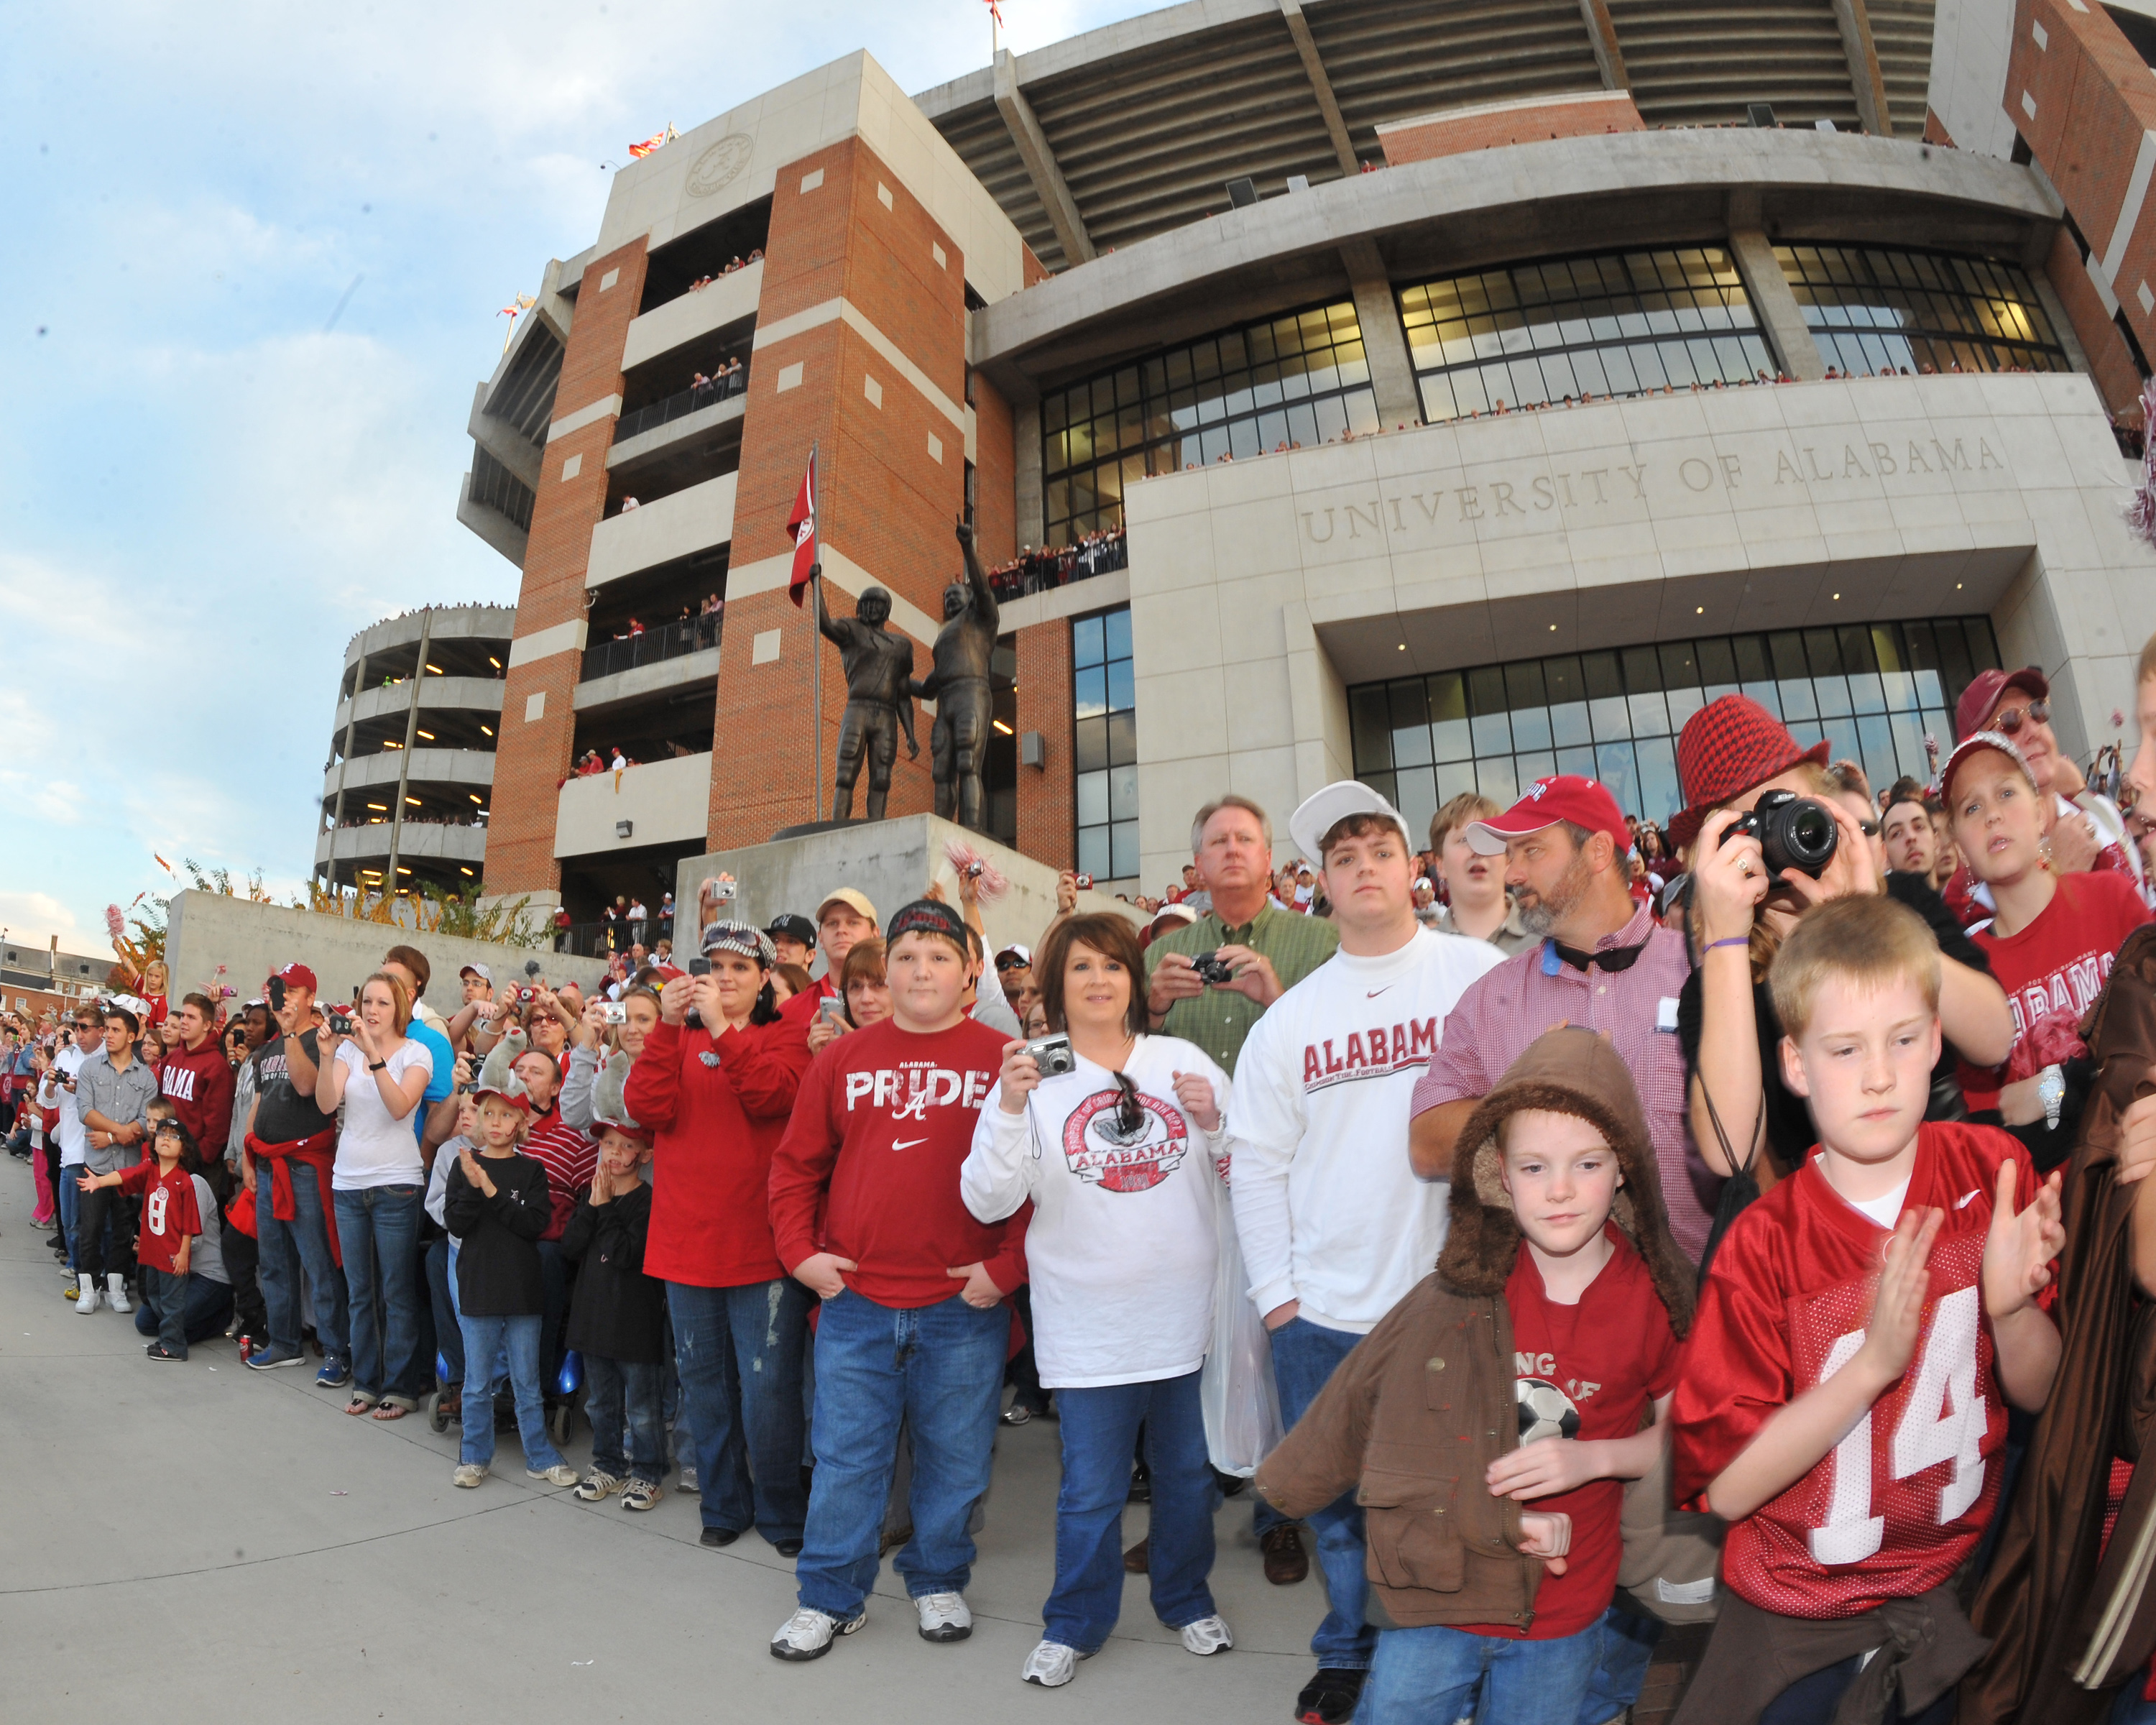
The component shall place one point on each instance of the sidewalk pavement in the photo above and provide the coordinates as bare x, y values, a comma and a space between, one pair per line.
211, 1543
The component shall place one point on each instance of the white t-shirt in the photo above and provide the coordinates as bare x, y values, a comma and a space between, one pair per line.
374, 1147
74, 1138
1124, 1244
1327, 1210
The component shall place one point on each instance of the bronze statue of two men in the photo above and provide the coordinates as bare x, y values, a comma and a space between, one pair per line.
881, 689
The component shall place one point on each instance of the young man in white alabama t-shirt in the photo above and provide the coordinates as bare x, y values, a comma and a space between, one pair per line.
1335, 1227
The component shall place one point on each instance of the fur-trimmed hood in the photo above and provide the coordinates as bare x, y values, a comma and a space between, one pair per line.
1568, 1071
497, 1075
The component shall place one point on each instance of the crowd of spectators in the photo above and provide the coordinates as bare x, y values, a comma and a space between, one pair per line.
1044, 568
1558, 1224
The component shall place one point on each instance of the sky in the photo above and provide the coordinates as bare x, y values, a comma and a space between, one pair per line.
256, 257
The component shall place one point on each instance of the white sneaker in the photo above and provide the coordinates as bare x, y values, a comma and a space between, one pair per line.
86, 1300
468, 1475
808, 1634
598, 1485
1051, 1665
118, 1296
560, 1474
1208, 1635
944, 1617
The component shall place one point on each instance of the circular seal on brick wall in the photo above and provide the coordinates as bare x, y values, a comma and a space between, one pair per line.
719, 167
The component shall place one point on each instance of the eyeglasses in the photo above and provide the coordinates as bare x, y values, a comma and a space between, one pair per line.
1870, 829
2010, 720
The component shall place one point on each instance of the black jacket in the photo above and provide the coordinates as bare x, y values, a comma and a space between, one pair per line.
619, 1312
498, 1237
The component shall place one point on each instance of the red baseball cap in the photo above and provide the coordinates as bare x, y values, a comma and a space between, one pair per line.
296, 975
1585, 802
1982, 695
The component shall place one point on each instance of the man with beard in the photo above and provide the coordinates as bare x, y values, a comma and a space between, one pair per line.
1600, 961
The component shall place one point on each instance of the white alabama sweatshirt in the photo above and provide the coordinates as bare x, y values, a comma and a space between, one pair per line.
1123, 1248
1327, 1210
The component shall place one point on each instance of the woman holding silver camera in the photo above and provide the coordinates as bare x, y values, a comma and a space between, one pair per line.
1731, 755
375, 1185
1115, 1137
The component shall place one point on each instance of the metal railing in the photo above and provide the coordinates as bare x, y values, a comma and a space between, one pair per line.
680, 407
596, 940
669, 640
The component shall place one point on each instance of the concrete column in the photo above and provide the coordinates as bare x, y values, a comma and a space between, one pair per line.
1392, 373
404, 761
1025, 439
1775, 305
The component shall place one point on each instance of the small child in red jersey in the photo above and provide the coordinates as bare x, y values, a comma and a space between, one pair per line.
1841, 1404
170, 1220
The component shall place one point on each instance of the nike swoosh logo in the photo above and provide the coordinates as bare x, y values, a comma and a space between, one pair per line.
907, 1143
1375, 993
1966, 1199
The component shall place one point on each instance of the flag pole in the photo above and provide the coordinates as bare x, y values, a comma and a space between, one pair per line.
816, 639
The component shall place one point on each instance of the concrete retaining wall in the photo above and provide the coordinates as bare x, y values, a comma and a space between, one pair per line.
204, 930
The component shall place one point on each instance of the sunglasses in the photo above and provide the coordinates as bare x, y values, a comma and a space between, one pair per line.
2010, 720
1130, 1112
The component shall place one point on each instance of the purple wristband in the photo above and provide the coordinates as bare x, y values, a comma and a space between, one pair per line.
1734, 940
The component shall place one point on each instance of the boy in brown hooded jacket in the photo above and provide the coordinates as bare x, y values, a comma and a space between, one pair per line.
1488, 1421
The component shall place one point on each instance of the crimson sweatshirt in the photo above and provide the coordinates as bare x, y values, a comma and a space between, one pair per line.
199, 1084
885, 1120
714, 1127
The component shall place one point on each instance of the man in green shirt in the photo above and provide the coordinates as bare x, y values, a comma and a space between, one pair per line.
1270, 950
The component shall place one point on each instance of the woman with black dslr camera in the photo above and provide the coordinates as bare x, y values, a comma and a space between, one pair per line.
1733, 756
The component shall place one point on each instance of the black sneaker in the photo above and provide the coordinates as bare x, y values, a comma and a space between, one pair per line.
158, 1350
718, 1535
1329, 1699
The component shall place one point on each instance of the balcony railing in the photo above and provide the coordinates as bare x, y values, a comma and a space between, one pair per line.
680, 407
596, 940
669, 640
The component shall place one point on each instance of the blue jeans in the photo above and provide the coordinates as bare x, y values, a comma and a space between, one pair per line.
2130, 1709
449, 1333
941, 1368
738, 1351
493, 1345
302, 1243
1620, 1667
1098, 1426
1435, 1675
1305, 1356
379, 1229
621, 1400
202, 1307
70, 1196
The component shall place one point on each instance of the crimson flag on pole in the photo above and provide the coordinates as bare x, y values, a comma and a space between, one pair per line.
802, 524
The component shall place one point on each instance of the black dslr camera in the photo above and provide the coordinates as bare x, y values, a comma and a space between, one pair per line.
1793, 833
1212, 967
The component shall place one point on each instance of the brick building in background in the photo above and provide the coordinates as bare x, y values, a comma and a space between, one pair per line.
1073, 287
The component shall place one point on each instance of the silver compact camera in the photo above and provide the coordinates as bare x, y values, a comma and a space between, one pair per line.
1052, 1055
613, 1012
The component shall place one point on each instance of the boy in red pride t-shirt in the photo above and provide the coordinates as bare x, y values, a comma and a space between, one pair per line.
1842, 1400
170, 1220
865, 1210
2051, 937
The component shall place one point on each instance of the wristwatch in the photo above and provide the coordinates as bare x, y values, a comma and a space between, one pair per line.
377, 1066
2051, 1093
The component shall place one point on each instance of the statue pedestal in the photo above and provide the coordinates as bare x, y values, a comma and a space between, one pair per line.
892, 861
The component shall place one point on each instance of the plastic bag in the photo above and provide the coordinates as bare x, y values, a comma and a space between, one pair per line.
1236, 1391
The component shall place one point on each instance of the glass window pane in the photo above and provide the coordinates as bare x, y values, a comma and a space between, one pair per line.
1498, 779
1447, 706
1122, 738
1091, 744
1123, 794
1094, 856
1086, 636
1124, 850
1122, 689
1369, 719
1118, 624
1657, 765
1418, 798
1092, 797
1090, 691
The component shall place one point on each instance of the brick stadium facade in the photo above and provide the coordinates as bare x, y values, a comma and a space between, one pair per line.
1065, 287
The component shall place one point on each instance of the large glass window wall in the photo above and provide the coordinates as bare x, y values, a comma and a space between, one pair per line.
1301, 379
1105, 702
1875, 691
1618, 324
1871, 309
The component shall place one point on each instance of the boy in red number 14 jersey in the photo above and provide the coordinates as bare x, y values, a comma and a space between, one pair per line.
1842, 1402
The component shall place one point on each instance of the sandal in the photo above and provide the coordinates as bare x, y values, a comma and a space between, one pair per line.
361, 1403
390, 1410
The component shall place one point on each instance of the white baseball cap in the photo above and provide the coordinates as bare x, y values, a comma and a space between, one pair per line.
478, 970
1321, 811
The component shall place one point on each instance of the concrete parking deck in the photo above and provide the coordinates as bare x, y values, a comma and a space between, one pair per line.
207, 1543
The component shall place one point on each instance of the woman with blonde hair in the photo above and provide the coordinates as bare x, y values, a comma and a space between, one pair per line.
376, 1185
